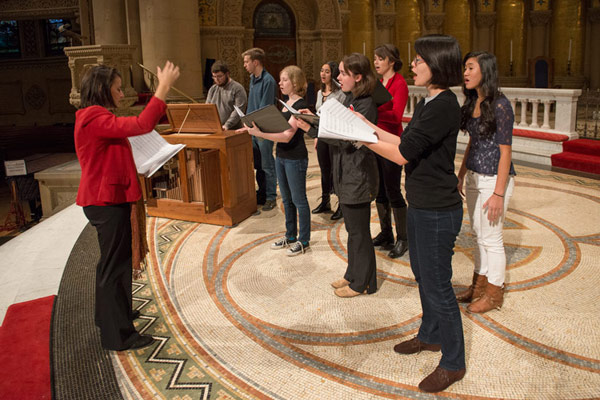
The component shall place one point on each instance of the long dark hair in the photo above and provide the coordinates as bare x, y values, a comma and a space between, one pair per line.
359, 64
333, 67
95, 86
489, 89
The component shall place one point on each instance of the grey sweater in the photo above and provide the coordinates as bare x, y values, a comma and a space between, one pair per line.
224, 97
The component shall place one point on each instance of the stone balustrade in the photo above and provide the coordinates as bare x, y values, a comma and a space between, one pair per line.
544, 118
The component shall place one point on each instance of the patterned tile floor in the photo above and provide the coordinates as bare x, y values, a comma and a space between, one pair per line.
237, 320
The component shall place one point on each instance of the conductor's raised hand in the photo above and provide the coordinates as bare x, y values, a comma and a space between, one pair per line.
166, 77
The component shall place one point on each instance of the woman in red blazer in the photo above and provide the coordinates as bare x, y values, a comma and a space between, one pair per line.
107, 188
387, 64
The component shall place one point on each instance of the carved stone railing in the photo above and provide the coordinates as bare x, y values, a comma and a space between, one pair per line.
544, 118
559, 115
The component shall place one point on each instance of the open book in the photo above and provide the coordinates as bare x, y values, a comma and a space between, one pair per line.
151, 151
310, 118
338, 122
268, 119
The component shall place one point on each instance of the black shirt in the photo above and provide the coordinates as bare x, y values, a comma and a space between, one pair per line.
295, 149
429, 144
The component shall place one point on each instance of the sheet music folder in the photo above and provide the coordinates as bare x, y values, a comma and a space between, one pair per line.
381, 94
268, 119
193, 118
310, 118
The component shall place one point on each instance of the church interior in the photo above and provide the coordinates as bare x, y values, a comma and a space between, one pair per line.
231, 318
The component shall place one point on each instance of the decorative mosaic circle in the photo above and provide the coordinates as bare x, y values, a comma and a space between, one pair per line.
236, 319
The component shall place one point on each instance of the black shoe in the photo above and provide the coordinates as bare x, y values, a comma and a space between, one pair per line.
324, 206
141, 341
337, 214
135, 314
386, 240
269, 205
400, 247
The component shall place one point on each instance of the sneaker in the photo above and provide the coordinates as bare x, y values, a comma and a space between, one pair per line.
282, 243
297, 248
269, 205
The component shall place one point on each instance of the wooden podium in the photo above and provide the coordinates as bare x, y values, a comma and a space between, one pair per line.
212, 179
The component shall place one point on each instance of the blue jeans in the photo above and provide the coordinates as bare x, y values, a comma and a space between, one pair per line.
267, 166
292, 185
431, 237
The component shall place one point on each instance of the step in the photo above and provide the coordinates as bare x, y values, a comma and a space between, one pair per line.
577, 161
583, 146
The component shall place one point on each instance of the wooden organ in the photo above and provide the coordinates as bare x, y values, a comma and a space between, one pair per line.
212, 179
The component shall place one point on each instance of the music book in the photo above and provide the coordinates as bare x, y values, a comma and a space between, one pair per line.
338, 122
151, 152
268, 119
380, 94
310, 118
193, 118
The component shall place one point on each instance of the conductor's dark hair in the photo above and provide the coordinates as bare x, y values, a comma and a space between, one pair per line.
390, 52
335, 71
95, 86
359, 64
442, 55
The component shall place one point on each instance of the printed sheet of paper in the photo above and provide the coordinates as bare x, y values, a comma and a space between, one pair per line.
151, 151
338, 122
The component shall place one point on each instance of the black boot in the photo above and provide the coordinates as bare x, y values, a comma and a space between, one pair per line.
323, 206
386, 237
401, 245
337, 214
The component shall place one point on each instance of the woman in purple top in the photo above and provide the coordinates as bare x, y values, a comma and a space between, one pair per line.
488, 117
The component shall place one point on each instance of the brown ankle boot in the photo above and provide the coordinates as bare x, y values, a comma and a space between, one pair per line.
492, 298
474, 291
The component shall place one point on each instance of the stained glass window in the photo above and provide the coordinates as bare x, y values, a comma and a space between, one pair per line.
9, 39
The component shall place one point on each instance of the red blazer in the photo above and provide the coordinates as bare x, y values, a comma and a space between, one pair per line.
389, 115
108, 173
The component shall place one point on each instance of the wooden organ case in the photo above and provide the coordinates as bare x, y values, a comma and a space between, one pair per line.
212, 179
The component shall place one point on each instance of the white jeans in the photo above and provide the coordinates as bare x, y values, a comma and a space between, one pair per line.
490, 260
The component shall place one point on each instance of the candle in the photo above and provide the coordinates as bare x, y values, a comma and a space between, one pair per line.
570, 44
511, 59
409, 60
364, 48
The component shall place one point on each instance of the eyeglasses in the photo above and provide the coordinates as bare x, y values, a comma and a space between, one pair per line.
417, 61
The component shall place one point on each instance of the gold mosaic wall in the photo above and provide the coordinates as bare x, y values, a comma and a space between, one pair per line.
359, 34
408, 29
567, 22
458, 22
507, 30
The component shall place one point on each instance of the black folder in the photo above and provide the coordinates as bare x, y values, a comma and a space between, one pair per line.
268, 119
381, 94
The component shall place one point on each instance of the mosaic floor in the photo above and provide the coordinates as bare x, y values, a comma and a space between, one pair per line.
237, 320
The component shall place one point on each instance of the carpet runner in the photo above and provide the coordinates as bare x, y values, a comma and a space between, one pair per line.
580, 155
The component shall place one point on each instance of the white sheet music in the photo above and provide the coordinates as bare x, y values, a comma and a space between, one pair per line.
338, 122
151, 151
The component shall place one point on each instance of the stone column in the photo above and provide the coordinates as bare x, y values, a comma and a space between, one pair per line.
386, 24
171, 31
594, 18
540, 38
134, 38
485, 23
82, 58
110, 22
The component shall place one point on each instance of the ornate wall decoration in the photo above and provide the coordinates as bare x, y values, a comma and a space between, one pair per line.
22, 9
434, 21
207, 12
385, 21
485, 19
435, 5
540, 18
35, 97
486, 5
29, 45
541, 5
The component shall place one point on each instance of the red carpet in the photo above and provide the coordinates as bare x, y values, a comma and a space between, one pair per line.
25, 354
580, 155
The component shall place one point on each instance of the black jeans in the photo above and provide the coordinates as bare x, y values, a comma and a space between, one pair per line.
431, 238
324, 158
113, 313
390, 178
362, 266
